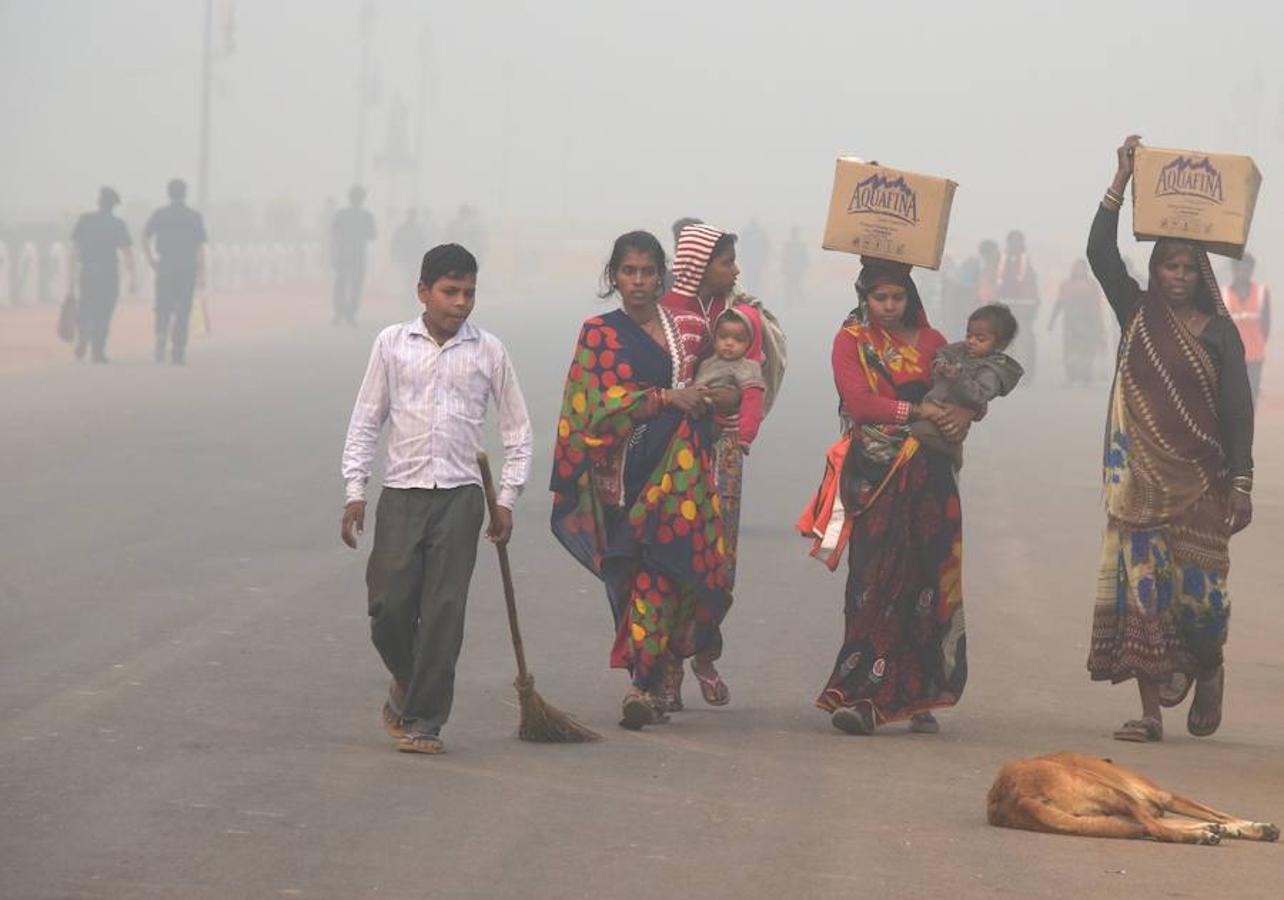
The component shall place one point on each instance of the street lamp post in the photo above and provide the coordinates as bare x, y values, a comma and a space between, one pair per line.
207, 76
365, 25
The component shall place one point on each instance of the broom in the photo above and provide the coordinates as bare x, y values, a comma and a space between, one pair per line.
541, 722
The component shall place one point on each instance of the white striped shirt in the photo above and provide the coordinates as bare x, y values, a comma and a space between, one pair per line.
433, 399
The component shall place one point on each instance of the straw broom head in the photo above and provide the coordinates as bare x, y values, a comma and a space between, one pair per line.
544, 723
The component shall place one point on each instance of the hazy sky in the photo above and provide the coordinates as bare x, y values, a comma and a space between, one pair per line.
595, 116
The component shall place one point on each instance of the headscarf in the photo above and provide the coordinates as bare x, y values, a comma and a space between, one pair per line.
691, 257
875, 270
1208, 296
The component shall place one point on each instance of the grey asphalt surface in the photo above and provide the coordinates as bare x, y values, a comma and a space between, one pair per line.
189, 701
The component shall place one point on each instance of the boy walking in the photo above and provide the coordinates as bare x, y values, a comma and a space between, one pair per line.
429, 380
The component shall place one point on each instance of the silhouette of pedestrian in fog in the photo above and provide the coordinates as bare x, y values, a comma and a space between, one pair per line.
753, 250
793, 267
467, 230
98, 241
409, 244
1083, 330
173, 239
1018, 287
352, 229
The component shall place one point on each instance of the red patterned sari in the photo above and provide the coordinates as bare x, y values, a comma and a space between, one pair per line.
904, 648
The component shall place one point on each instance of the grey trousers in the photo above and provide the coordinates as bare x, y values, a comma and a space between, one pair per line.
175, 288
425, 546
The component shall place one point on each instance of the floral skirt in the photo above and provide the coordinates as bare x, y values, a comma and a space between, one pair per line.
1155, 616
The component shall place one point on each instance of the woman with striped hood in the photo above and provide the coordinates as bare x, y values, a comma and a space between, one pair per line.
1178, 477
704, 285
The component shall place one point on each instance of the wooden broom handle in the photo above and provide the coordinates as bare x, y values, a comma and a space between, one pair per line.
505, 571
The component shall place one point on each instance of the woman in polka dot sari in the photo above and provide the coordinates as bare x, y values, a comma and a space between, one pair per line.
634, 500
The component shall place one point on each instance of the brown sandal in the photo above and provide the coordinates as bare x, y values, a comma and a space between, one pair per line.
418, 742
670, 699
712, 688
640, 710
1141, 731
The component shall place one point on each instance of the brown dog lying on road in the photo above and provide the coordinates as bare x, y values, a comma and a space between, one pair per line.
1068, 793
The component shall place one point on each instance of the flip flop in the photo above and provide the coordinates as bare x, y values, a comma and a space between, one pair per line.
1140, 731
417, 742
713, 689
1209, 690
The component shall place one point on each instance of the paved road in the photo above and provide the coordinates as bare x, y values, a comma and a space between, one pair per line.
189, 704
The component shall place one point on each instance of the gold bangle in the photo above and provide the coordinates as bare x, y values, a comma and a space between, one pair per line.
1114, 195
1111, 203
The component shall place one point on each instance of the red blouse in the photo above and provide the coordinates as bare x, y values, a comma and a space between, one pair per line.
907, 363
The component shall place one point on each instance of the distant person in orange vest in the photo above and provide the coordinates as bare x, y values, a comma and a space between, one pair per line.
1249, 303
1018, 288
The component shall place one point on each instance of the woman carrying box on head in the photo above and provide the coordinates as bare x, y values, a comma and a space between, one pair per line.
904, 649
1178, 476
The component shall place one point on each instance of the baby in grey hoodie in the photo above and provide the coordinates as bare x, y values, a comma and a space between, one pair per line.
972, 372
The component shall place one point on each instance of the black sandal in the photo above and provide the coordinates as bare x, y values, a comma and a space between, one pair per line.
924, 723
1213, 684
1170, 697
858, 719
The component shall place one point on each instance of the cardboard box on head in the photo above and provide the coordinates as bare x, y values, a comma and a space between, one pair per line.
888, 213
1206, 197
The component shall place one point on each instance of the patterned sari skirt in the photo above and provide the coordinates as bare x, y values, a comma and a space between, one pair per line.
904, 645
1155, 616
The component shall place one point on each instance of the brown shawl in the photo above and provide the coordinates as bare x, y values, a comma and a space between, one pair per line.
1165, 404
